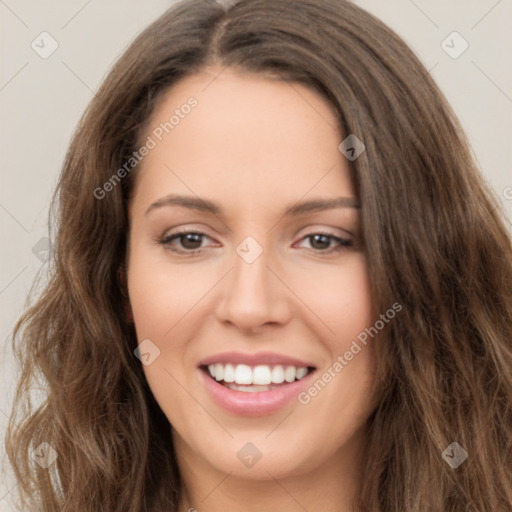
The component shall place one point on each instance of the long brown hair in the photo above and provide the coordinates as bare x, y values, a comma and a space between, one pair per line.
435, 242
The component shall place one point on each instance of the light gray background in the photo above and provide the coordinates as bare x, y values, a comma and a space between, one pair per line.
41, 101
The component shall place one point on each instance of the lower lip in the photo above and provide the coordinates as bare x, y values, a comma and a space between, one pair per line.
256, 403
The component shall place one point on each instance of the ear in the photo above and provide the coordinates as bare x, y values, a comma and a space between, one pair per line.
121, 275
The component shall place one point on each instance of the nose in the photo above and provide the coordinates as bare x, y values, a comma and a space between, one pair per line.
252, 295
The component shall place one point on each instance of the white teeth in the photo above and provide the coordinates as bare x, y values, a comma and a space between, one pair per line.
261, 375
278, 374
229, 373
289, 374
243, 374
249, 389
301, 372
219, 372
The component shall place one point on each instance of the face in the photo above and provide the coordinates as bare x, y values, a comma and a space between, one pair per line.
244, 262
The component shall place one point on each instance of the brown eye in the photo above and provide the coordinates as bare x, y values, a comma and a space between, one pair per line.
191, 240
325, 242
320, 241
184, 242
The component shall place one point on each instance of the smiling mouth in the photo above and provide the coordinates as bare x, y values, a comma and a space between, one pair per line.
253, 379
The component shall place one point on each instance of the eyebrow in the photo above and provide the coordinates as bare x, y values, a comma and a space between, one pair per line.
300, 208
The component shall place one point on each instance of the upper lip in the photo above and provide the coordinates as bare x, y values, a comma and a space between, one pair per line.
259, 358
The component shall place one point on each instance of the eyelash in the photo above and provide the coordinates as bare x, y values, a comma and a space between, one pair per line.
343, 242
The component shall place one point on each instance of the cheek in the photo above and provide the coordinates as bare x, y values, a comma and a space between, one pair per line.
342, 299
161, 298
166, 302
162, 294
339, 296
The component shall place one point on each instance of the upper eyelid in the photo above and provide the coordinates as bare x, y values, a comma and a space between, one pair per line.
179, 230
310, 229
330, 231
310, 232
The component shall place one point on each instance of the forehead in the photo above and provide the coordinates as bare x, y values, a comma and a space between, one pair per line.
248, 136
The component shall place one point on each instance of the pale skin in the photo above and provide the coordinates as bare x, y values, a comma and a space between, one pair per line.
256, 147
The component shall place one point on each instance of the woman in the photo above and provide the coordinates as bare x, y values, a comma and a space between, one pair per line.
279, 282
